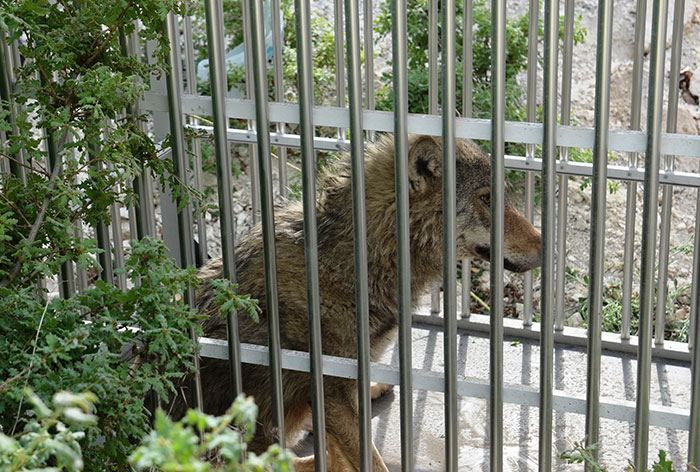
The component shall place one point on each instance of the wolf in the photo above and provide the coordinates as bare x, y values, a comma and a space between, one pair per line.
522, 250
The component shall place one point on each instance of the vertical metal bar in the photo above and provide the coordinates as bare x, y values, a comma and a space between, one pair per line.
433, 106
692, 340
369, 60
102, 233
253, 149
599, 190
66, 276
549, 158
666, 200
498, 102
308, 188
359, 214
694, 434
143, 184
449, 231
563, 181
118, 239
173, 82
217, 79
196, 147
630, 214
399, 59
467, 72
339, 63
5, 74
530, 148
268, 221
279, 89
651, 200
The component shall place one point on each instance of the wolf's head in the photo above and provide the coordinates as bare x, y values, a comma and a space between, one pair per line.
522, 242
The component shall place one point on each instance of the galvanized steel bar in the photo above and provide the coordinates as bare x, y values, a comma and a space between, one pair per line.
651, 199
631, 209
530, 148
66, 281
308, 176
549, 157
433, 106
692, 340
449, 231
218, 84
359, 220
432, 57
498, 104
268, 217
694, 434
196, 147
277, 48
563, 180
173, 82
143, 185
6, 73
599, 190
467, 90
666, 200
369, 59
399, 60
339, 54
253, 150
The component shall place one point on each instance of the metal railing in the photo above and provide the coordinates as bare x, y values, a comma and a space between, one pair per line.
170, 99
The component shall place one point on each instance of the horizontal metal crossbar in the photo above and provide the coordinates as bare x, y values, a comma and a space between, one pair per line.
620, 410
615, 172
515, 132
612, 342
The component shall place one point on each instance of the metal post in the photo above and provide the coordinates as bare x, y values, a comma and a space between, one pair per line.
563, 181
449, 231
173, 82
196, 147
630, 215
651, 200
268, 217
359, 214
279, 89
694, 434
253, 149
308, 188
399, 54
217, 80
498, 104
369, 60
530, 148
549, 158
669, 164
6, 73
467, 73
433, 106
599, 189
339, 53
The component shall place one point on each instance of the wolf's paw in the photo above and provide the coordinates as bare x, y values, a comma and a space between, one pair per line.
379, 389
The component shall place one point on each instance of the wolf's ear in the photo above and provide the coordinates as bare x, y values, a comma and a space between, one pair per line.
424, 162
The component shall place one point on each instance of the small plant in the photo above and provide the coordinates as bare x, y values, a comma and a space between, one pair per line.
52, 436
581, 454
201, 442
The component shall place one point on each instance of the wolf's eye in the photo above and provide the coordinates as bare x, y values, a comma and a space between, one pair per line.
486, 198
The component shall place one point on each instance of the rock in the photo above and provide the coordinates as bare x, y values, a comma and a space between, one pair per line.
575, 320
694, 85
687, 124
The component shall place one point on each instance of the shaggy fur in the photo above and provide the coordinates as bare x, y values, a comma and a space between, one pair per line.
336, 268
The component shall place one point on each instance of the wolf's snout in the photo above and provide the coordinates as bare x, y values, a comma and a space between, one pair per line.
522, 244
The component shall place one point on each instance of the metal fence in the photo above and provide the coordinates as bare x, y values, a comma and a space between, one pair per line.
174, 101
